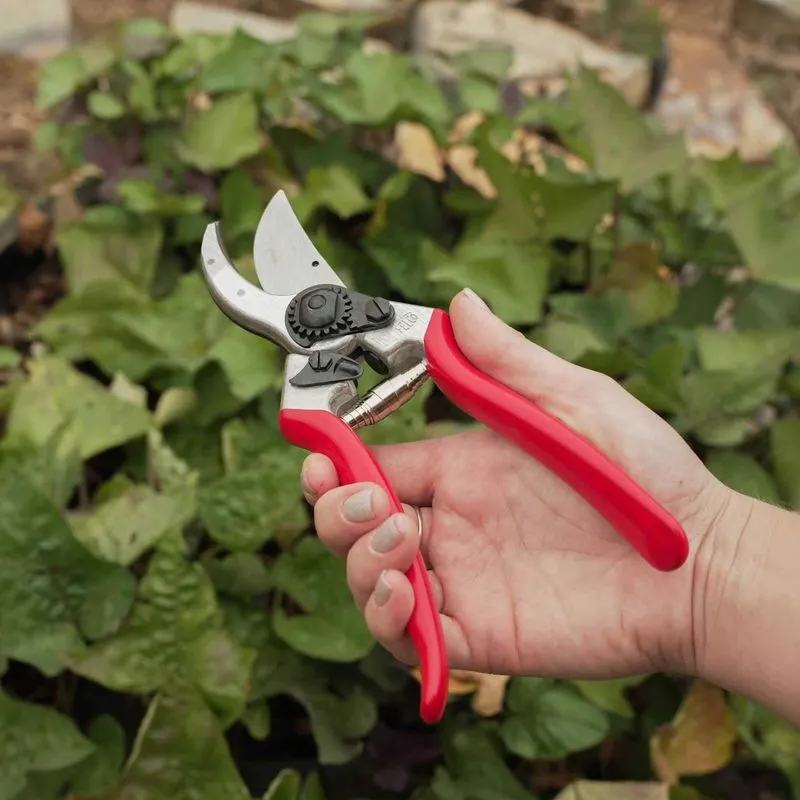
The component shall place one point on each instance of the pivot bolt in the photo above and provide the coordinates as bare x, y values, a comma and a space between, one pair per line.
378, 309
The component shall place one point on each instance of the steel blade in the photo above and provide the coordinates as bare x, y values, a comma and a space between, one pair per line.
286, 261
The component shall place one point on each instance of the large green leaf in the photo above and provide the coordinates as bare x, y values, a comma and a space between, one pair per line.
511, 276
476, 770
767, 234
35, 739
548, 720
125, 527
174, 637
332, 627
180, 752
249, 506
52, 590
223, 135
622, 144
339, 720
121, 255
733, 351
100, 771
381, 88
58, 396
743, 474
785, 453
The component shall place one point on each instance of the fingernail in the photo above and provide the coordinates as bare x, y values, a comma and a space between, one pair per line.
382, 591
304, 485
387, 536
474, 298
358, 507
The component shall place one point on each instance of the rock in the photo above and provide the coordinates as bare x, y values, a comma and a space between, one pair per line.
710, 99
35, 28
543, 50
189, 17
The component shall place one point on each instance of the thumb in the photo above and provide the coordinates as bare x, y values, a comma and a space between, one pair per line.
510, 358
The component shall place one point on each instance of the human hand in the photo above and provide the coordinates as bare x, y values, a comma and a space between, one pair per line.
529, 578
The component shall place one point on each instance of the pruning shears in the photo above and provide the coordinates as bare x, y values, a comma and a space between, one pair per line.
329, 331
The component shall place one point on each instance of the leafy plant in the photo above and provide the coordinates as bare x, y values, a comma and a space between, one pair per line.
166, 608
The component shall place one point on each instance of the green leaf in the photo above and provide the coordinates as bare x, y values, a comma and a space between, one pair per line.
105, 105
571, 211
476, 770
35, 739
765, 231
479, 94
547, 720
335, 188
242, 575
339, 720
258, 720
54, 466
382, 88
511, 276
734, 352
718, 405
100, 771
123, 529
744, 474
610, 694
222, 136
247, 508
122, 256
772, 739
56, 395
241, 204
174, 637
251, 364
785, 454
621, 143
286, 786
332, 627
489, 61
61, 76
636, 270
56, 588
242, 65
181, 752
146, 197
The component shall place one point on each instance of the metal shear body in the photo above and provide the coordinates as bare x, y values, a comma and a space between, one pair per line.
328, 332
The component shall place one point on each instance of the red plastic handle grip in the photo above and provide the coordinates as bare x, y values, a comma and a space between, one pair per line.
656, 534
324, 432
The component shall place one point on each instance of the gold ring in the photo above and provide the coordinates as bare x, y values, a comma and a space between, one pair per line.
419, 522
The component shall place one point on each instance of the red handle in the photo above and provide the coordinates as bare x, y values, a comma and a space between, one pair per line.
324, 432
656, 534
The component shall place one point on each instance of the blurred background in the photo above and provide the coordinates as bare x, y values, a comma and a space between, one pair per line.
619, 179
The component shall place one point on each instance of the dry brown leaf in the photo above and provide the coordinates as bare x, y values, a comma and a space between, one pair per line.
418, 152
699, 740
488, 691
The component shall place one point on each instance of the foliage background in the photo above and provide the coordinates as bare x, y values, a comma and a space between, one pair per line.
169, 625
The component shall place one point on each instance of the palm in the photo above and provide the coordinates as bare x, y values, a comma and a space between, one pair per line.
536, 581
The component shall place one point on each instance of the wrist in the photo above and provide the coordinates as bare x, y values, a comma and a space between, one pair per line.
745, 604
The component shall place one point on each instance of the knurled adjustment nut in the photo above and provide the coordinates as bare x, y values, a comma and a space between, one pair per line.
319, 309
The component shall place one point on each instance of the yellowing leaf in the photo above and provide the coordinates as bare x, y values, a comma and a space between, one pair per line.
488, 690
699, 740
611, 790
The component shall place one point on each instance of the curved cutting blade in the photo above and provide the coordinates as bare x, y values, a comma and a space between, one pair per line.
286, 261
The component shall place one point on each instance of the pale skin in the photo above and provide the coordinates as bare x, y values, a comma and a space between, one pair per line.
530, 580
